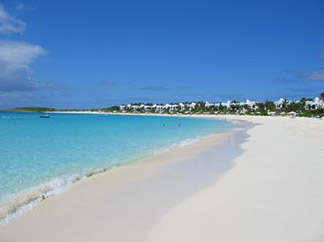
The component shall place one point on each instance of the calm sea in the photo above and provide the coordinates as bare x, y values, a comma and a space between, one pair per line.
41, 157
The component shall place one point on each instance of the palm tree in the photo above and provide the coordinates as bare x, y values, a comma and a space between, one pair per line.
322, 96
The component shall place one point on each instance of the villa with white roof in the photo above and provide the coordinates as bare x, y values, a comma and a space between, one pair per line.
316, 104
281, 103
227, 104
208, 104
192, 106
251, 104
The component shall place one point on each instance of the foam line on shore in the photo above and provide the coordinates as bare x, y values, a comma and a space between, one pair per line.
154, 184
25, 201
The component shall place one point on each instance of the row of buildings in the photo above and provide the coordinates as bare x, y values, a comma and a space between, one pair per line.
317, 103
244, 106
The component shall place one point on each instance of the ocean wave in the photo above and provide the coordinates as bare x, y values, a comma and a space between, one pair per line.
177, 145
25, 201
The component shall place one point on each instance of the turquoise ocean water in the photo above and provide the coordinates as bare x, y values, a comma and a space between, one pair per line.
42, 157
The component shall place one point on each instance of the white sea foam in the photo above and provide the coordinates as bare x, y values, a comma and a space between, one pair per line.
25, 201
178, 144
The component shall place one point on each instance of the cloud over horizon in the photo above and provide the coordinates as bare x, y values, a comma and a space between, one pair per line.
15, 60
10, 24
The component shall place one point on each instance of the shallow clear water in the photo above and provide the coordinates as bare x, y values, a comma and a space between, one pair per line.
51, 153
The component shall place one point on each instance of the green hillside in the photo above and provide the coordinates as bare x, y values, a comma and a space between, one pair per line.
33, 109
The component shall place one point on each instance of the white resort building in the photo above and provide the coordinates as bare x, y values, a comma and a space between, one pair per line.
239, 107
316, 104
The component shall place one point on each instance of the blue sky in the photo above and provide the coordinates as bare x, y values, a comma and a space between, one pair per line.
91, 54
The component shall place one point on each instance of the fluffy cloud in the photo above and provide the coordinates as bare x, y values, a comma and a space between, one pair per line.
17, 85
9, 24
15, 60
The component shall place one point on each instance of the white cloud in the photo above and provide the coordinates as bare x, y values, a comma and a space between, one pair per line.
10, 24
15, 61
16, 55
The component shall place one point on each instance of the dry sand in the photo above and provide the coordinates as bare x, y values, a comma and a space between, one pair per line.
274, 193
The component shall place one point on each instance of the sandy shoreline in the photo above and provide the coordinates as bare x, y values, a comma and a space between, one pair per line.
273, 193
146, 184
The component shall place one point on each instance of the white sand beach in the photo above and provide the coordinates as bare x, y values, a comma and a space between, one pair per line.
273, 192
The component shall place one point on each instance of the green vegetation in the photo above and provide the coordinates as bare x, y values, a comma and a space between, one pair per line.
33, 109
312, 113
322, 96
111, 109
269, 105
